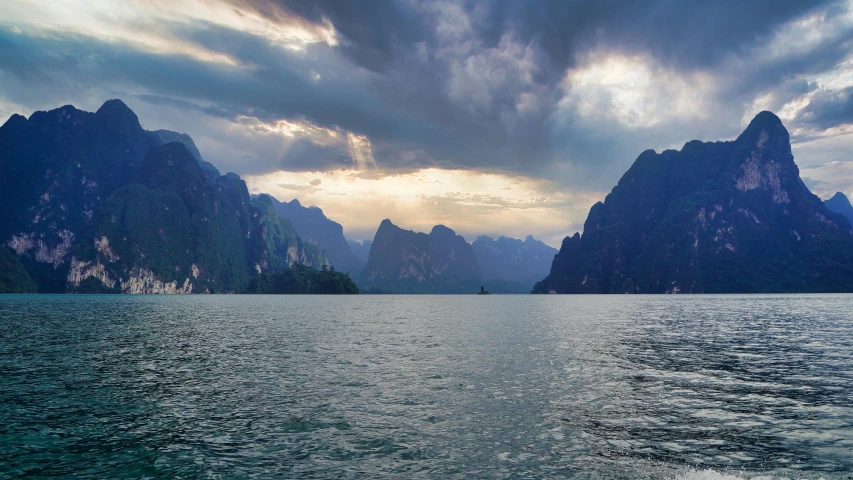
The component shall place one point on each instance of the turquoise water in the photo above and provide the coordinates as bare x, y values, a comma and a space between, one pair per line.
426, 386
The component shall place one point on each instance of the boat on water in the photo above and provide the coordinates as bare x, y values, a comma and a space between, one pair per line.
483, 291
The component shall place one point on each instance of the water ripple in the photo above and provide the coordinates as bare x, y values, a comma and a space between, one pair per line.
708, 387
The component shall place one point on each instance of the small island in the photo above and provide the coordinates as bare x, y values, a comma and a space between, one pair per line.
483, 291
301, 279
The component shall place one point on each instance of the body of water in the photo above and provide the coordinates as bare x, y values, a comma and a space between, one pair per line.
639, 387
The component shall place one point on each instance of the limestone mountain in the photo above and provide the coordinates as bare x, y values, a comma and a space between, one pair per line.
93, 202
315, 228
405, 261
57, 168
714, 217
276, 244
524, 261
840, 204
171, 231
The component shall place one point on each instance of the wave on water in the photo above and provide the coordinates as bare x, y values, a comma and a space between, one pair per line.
709, 474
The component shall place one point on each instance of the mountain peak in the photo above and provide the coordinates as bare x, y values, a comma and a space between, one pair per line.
715, 217
16, 119
766, 130
839, 203
114, 106
117, 114
766, 118
442, 230
414, 262
840, 197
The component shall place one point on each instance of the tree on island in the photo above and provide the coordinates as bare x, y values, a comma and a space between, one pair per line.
300, 279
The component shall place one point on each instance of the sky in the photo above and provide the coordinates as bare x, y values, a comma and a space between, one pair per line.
499, 117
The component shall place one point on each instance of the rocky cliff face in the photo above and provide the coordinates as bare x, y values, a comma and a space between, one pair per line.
840, 204
513, 260
276, 242
171, 231
58, 167
451, 254
92, 202
315, 228
713, 217
413, 262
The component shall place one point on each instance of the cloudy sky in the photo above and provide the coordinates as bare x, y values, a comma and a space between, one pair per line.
492, 117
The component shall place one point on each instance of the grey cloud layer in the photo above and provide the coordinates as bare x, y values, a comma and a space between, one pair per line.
454, 84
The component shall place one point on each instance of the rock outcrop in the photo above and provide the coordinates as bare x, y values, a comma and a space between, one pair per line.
315, 228
94, 203
713, 217
412, 262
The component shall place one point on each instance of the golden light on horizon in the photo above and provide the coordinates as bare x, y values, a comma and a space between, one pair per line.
469, 201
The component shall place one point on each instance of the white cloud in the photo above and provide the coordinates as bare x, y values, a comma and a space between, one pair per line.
146, 24
831, 177
635, 91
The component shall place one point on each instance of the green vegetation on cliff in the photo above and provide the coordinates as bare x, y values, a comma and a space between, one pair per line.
93, 203
300, 279
13, 276
277, 245
315, 228
175, 224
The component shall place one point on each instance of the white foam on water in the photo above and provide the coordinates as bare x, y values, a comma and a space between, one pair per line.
715, 475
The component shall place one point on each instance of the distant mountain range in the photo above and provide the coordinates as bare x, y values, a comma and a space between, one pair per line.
714, 217
840, 204
313, 227
404, 261
360, 249
92, 202
95, 203
513, 260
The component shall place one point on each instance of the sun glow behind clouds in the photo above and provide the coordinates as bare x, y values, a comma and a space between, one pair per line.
470, 202
633, 90
147, 24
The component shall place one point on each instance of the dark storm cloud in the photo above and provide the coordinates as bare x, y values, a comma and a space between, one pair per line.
212, 110
374, 31
683, 33
454, 84
829, 109
278, 86
408, 53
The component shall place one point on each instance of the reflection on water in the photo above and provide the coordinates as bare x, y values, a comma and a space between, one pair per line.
440, 386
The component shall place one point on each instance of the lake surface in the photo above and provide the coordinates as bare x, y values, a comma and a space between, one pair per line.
654, 387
